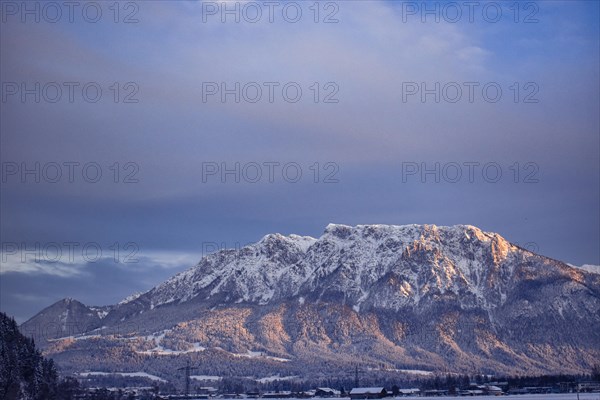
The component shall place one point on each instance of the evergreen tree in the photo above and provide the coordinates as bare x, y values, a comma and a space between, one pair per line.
596, 372
24, 373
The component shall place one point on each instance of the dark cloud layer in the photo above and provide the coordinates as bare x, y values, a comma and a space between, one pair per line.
548, 151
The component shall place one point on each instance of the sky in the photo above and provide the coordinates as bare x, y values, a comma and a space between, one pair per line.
136, 138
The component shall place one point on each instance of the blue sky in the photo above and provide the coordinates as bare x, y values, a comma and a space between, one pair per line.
364, 140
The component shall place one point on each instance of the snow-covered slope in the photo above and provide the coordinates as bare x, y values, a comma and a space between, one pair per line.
379, 266
253, 273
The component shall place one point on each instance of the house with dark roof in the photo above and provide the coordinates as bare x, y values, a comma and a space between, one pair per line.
327, 392
368, 393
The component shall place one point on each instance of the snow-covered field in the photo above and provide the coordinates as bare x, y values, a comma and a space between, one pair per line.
275, 378
255, 354
162, 351
126, 374
206, 377
565, 396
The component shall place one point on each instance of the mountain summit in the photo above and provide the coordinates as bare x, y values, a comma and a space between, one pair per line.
396, 298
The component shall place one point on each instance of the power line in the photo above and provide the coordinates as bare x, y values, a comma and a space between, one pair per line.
187, 370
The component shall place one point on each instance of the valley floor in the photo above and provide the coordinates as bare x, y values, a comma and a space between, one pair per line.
561, 396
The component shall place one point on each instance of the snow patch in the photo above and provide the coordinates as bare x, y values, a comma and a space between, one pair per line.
260, 354
162, 351
125, 374
206, 377
131, 298
274, 378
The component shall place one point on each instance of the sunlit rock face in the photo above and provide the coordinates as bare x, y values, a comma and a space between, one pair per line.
406, 297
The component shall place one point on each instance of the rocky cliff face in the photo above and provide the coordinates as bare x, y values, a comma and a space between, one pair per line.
396, 297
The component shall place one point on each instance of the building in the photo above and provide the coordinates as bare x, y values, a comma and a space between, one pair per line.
327, 392
436, 392
368, 393
409, 392
538, 389
277, 395
588, 387
208, 391
479, 390
493, 390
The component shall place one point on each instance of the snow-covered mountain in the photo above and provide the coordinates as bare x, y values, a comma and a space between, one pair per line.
374, 266
407, 297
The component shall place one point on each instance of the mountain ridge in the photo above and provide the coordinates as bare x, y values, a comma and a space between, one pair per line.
414, 296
